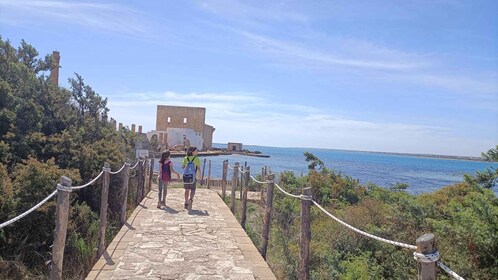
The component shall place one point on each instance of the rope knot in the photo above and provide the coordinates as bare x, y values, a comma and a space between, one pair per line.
306, 197
63, 188
426, 258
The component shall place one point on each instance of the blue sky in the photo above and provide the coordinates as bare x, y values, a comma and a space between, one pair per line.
416, 76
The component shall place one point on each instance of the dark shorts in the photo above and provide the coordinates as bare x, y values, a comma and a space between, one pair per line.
189, 183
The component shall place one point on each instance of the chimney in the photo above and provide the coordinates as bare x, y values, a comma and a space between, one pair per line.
120, 126
54, 70
133, 128
140, 129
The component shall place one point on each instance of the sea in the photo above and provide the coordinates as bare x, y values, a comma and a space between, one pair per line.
421, 174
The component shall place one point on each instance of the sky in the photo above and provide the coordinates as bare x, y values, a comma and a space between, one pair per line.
411, 76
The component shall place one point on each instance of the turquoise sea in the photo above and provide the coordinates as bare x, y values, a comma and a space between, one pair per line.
420, 173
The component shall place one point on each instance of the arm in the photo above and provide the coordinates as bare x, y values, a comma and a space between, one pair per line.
198, 162
159, 173
173, 171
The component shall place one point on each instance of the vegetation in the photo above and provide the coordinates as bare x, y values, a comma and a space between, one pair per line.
45, 132
463, 217
491, 154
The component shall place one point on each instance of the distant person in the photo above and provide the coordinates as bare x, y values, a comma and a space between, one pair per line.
191, 170
164, 176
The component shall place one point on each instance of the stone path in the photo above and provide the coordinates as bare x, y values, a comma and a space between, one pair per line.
173, 243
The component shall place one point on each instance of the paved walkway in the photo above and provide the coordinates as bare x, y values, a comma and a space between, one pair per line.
173, 243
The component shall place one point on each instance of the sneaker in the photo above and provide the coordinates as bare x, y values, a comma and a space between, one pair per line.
186, 205
163, 203
190, 202
159, 205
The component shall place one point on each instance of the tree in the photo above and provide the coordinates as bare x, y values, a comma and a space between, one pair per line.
491, 154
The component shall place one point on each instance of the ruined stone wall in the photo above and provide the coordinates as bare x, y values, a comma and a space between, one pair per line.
180, 117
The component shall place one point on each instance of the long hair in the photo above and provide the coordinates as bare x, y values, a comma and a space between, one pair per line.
164, 156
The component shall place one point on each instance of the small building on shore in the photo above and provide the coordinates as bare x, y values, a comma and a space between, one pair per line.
234, 147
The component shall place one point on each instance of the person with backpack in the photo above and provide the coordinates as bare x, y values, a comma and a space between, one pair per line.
191, 170
164, 176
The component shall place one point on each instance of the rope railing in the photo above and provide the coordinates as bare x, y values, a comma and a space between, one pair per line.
413, 247
255, 180
425, 258
15, 219
135, 166
116, 172
289, 194
89, 183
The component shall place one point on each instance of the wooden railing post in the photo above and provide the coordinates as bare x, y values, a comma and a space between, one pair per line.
263, 178
138, 196
234, 186
144, 176
303, 271
125, 180
267, 215
224, 179
426, 244
244, 196
209, 174
103, 208
62, 214
151, 173
203, 168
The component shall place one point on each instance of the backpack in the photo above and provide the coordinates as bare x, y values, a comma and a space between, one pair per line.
166, 171
190, 169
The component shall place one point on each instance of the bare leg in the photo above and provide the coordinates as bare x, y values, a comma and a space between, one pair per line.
192, 193
186, 195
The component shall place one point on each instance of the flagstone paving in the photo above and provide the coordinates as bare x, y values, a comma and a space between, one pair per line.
174, 243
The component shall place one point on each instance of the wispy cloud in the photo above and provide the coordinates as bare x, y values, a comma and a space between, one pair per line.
252, 118
107, 17
304, 55
266, 10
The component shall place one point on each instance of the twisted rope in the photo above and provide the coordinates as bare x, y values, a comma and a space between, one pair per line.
449, 271
229, 166
136, 164
89, 183
13, 220
426, 258
364, 233
122, 167
242, 171
254, 179
289, 194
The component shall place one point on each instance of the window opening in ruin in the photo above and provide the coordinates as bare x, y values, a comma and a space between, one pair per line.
184, 120
169, 119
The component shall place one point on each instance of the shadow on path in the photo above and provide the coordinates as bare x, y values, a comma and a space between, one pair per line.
198, 212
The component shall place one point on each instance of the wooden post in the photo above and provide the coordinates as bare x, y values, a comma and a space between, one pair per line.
244, 197
303, 270
125, 180
61, 214
426, 244
144, 176
151, 173
138, 197
224, 179
234, 185
209, 174
267, 215
263, 178
203, 168
103, 208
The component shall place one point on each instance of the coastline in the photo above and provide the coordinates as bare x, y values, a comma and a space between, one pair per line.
218, 153
470, 158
